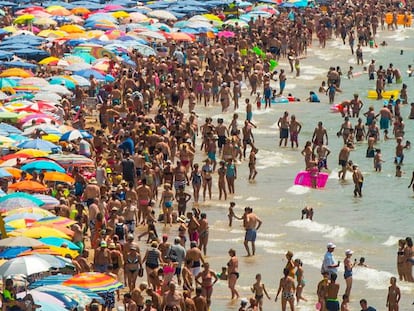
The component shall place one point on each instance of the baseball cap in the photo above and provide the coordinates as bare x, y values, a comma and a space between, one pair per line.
104, 244
330, 245
349, 252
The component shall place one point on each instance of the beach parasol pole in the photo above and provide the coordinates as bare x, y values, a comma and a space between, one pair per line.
2, 228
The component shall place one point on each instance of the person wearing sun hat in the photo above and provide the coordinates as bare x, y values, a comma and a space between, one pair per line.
348, 265
329, 263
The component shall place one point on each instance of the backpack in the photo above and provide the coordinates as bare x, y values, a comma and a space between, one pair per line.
119, 231
172, 255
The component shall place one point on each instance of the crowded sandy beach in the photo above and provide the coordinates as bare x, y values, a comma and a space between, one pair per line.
206, 156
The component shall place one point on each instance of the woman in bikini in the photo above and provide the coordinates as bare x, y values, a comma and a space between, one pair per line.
196, 182
232, 268
206, 172
300, 280
133, 264
207, 282
167, 198
287, 287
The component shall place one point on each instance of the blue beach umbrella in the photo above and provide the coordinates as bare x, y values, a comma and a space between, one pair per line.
41, 165
54, 241
39, 144
5, 174
9, 128
18, 196
12, 252
19, 65
5, 55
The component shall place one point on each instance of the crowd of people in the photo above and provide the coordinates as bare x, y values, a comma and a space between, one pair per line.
144, 145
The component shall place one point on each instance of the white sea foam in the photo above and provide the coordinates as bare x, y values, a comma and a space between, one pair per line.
391, 241
252, 199
268, 159
298, 190
334, 232
334, 175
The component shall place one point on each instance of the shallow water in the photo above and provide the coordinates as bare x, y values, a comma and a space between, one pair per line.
370, 225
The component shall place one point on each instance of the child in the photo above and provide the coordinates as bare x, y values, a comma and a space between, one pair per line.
398, 171
378, 160
259, 290
258, 101
350, 73
223, 275
410, 71
231, 213
322, 88
362, 262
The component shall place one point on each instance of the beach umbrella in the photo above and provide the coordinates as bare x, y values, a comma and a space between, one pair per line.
48, 129
61, 80
39, 144
7, 82
44, 21
135, 17
72, 160
16, 72
53, 97
120, 14
81, 81
181, 36
16, 203
57, 10
162, 14
236, 22
6, 115
40, 232
72, 28
49, 201
17, 196
54, 241
77, 67
22, 19
80, 11
12, 252
17, 173
37, 211
226, 34
34, 153
27, 265
57, 88
28, 185
19, 64
71, 135
94, 281
60, 177
4, 174
79, 296
34, 81
51, 250
85, 57
42, 165
49, 33
56, 262
20, 241
46, 300
51, 60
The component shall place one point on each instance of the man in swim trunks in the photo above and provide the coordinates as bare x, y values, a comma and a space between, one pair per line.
283, 125
251, 223
332, 303
343, 160
318, 135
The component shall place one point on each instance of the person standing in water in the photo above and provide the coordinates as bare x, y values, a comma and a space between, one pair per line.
348, 265
358, 180
394, 295
251, 223
283, 125
287, 287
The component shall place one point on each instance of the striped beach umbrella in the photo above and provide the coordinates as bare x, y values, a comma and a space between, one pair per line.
94, 281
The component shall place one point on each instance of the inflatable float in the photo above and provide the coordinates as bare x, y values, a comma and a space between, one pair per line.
401, 20
303, 178
278, 100
372, 94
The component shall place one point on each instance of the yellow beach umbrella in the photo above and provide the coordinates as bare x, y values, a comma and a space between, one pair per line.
53, 138
32, 210
16, 72
48, 60
10, 29
120, 14
72, 29
40, 232
76, 35
212, 17
33, 152
94, 33
17, 224
24, 19
48, 33
57, 176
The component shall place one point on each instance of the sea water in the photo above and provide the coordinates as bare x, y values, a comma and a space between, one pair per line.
371, 225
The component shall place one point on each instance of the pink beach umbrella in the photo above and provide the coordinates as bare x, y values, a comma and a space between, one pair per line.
226, 34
